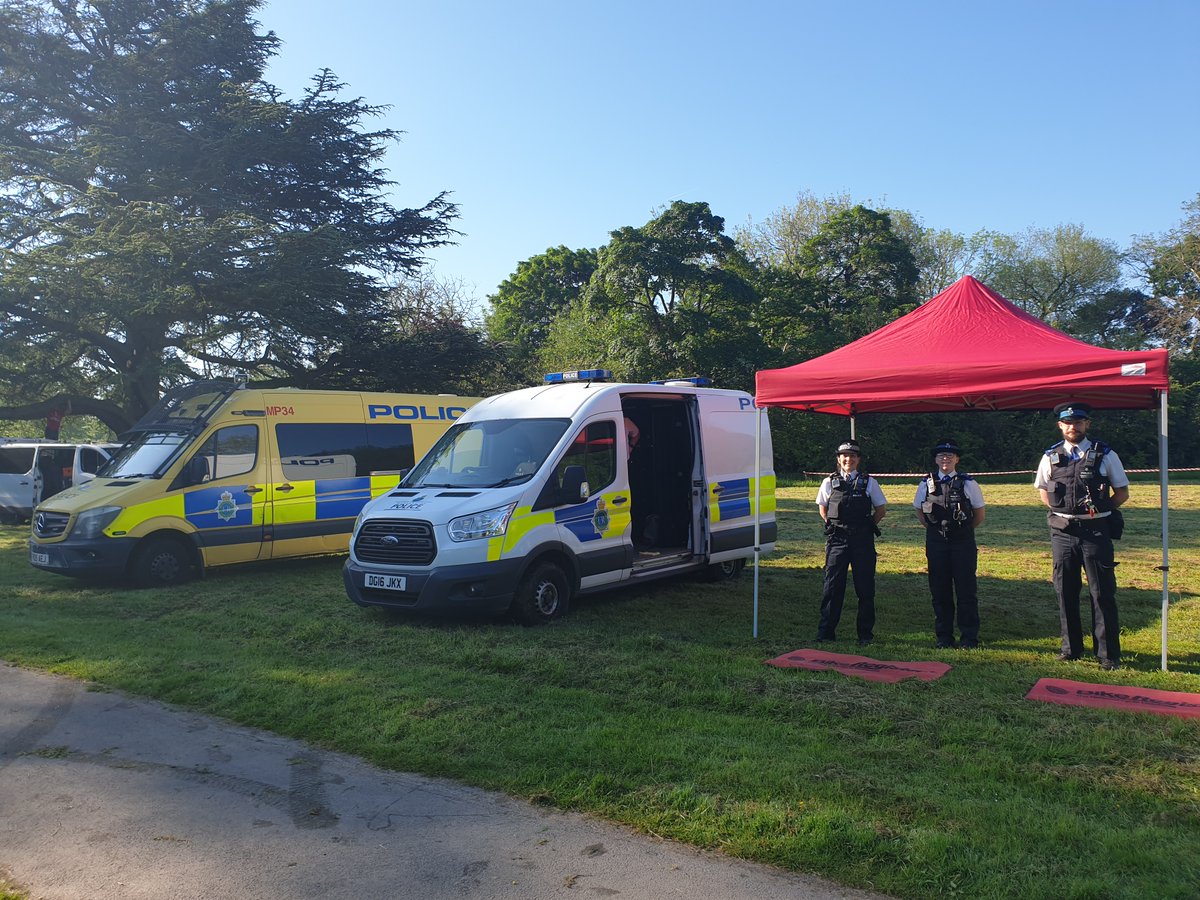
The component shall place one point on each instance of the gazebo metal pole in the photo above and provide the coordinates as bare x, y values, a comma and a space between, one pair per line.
757, 508
1162, 481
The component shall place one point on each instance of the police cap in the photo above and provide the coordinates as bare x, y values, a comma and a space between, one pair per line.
1066, 411
849, 447
947, 445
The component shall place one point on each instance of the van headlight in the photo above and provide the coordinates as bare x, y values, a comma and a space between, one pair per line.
487, 524
91, 522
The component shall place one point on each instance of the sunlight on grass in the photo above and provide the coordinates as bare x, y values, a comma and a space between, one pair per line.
652, 705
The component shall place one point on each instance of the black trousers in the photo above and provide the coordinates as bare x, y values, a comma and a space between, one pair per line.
854, 552
952, 563
1085, 544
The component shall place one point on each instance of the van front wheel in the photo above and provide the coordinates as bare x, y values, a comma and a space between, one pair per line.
161, 562
542, 596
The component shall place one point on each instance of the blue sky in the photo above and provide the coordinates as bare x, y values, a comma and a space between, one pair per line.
556, 122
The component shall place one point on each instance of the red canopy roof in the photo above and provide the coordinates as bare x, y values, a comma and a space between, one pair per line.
967, 348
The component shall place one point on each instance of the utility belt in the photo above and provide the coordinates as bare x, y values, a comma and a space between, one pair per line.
950, 531
838, 529
1113, 523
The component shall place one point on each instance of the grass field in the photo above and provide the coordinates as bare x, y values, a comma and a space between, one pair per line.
652, 706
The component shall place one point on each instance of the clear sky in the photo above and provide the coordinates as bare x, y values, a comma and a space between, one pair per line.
557, 122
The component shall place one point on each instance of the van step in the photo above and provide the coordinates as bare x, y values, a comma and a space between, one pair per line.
655, 559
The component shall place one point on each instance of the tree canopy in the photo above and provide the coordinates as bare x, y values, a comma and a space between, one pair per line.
165, 212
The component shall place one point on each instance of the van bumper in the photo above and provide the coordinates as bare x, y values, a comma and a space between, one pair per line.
477, 587
102, 556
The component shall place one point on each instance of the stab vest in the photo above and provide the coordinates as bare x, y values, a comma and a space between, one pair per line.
951, 507
849, 505
1078, 488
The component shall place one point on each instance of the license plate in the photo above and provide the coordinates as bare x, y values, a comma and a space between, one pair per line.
387, 582
39, 559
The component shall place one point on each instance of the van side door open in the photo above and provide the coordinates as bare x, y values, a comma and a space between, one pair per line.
666, 481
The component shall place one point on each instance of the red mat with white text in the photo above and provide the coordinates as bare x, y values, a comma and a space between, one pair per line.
860, 666
1111, 696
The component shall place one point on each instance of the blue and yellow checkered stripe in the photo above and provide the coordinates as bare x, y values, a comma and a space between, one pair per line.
734, 499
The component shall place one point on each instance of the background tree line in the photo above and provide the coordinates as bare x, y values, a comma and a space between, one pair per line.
166, 214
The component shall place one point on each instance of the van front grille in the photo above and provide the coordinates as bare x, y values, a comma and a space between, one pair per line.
50, 524
396, 542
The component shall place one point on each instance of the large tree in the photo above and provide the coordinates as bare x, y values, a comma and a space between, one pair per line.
165, 212
529, 300
1056, 274
670, 297
1171, 266
779, 241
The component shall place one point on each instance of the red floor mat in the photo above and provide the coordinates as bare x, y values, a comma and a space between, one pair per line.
860, 666
1112, 696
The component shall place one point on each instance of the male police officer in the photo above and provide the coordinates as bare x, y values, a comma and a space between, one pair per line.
949, 504
1083, 483
851, 504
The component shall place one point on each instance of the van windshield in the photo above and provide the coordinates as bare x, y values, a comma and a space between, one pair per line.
489, 453
148, 455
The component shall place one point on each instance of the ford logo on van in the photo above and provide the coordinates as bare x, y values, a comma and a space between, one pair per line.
390, 540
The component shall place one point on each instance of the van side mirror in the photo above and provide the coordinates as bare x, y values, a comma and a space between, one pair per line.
574, 485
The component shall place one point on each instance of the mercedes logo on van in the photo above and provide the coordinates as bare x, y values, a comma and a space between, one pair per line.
390, 540
40, 523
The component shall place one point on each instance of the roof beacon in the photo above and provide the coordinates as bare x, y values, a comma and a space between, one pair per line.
580, 375
694, 381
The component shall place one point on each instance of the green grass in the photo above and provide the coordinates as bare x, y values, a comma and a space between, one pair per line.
652, 706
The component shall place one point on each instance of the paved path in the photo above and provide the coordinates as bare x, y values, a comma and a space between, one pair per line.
107, 795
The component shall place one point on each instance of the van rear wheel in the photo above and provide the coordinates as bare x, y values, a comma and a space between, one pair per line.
542, 595
724, 571
161, 562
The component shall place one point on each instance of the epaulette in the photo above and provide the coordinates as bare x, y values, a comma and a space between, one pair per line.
1053, 450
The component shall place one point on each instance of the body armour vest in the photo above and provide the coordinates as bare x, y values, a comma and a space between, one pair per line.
950, 504
849, 504
1077, 487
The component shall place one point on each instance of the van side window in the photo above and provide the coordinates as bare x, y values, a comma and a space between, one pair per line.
594, 448
15, 460
230, 451
90, 460
308, 451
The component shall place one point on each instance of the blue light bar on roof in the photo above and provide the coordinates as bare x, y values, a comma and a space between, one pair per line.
580, 375
694, 381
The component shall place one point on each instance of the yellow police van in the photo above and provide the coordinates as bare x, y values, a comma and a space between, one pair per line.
218, 473
537, 495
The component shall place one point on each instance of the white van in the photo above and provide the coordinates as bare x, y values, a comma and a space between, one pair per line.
32, 471
540, 494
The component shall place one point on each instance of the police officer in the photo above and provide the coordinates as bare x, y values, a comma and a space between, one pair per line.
1083, 483
851, 504
949, 504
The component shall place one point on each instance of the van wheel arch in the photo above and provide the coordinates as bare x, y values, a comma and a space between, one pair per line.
545, 590
163, 559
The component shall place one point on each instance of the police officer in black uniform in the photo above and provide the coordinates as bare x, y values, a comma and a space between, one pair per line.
1083, 483
851, 504
949, 504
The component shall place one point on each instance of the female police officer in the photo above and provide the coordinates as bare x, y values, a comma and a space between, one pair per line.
851, 504
949, 504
